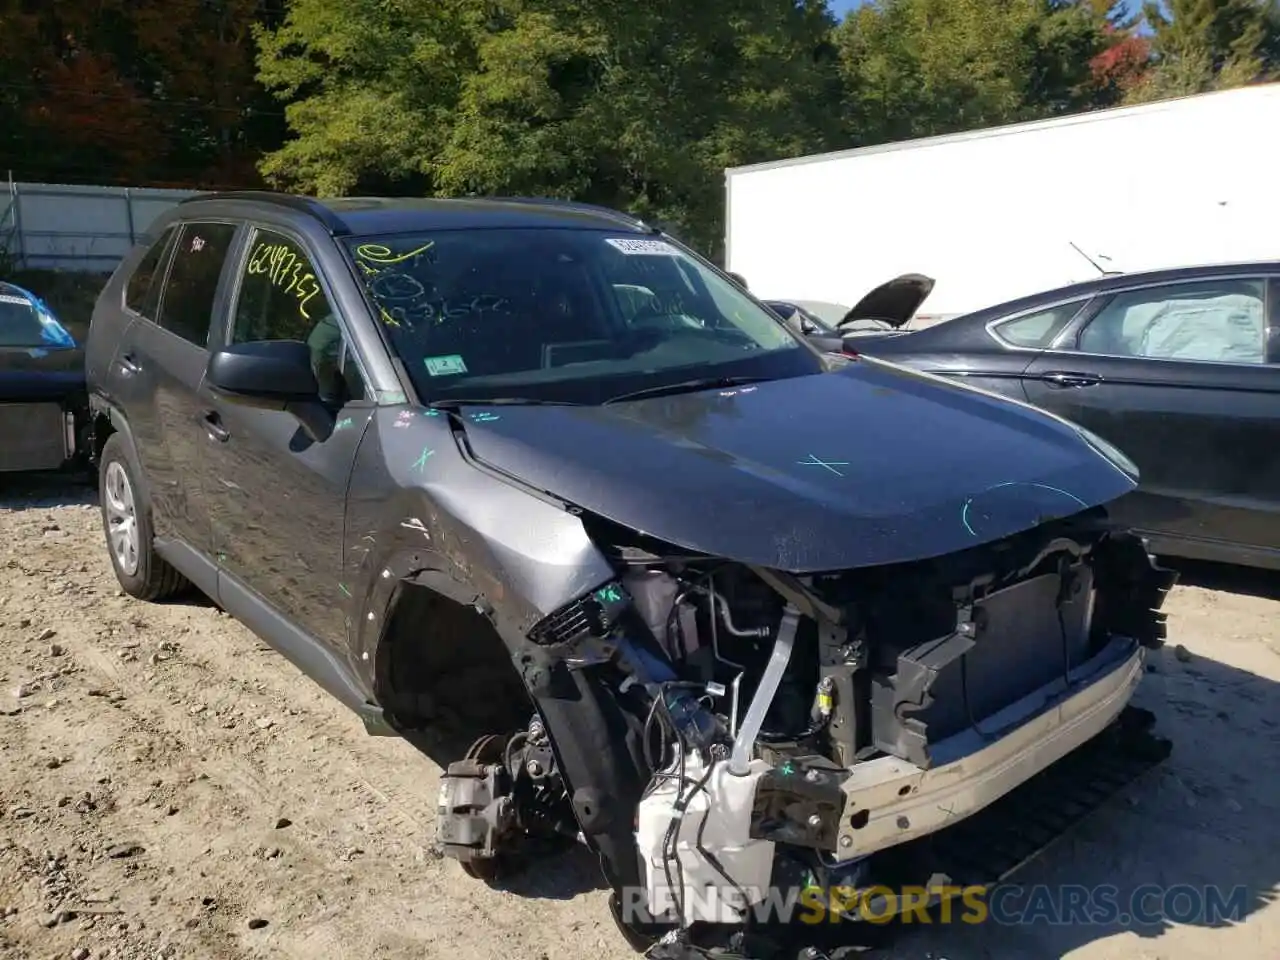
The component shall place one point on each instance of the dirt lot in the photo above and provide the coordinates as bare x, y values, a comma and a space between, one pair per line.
171, 788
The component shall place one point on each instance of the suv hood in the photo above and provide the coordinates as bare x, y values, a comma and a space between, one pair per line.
870, 465
894, 303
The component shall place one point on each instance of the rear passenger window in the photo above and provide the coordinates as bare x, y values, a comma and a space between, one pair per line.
142, 294
187, 306
281, 299
1219, 321
1038, 330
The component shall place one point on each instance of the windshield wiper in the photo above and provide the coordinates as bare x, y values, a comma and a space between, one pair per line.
450, 403
685, 386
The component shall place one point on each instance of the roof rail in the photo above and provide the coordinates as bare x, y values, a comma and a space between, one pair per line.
608, 212
308, 205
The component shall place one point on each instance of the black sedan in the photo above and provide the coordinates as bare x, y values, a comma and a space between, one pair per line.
1180, 369
889, 306
43, 400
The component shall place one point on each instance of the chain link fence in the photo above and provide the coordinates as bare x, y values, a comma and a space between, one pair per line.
86, 229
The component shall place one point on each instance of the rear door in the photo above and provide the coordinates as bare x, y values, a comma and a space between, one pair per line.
991, 355
1182, 378
1017, 340
164, 360
112, 352
277, 498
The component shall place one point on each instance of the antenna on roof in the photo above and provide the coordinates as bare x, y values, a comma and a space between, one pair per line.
1093, 263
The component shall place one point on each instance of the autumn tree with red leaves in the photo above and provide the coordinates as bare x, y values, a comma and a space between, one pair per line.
1123, 65
135, 91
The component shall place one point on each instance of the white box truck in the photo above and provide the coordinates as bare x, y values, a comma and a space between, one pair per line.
998, 213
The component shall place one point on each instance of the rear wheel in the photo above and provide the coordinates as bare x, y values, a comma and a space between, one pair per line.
126, 521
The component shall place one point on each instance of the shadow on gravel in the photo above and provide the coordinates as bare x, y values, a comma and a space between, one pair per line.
44, 491
1249, 581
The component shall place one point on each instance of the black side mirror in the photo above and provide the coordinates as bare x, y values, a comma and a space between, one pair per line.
737, 278
271, 375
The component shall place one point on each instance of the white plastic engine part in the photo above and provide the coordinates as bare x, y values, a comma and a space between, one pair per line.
697, 891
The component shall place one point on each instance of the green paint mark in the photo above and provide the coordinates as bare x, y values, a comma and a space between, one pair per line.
222, 557
421, 462
343, 588
610, 594
343, 424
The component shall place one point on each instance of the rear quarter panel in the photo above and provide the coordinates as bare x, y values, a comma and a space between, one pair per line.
107, 327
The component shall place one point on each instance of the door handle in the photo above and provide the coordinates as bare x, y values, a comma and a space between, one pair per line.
1064, 379
126, 363
214, 428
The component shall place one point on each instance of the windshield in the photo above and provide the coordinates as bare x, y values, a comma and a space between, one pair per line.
24, 322
565, 314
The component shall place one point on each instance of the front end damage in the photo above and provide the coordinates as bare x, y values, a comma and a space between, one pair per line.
724, 735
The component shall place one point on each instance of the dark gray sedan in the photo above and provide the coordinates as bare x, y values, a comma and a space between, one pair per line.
1180, 369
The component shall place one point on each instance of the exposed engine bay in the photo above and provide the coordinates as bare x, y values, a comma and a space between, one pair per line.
714, 730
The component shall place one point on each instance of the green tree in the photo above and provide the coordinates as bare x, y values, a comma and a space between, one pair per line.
920, 67
1203, 45
633, 105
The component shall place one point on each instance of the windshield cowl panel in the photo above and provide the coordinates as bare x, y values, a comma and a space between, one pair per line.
568, 315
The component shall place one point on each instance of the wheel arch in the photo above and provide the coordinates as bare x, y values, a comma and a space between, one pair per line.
108, 420
435, 656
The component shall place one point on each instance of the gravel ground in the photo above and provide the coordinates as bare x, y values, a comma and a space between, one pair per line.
169, 787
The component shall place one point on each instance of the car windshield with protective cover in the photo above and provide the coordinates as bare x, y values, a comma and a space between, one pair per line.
569, 315
26, 322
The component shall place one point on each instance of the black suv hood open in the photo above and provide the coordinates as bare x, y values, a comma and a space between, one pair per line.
870, 465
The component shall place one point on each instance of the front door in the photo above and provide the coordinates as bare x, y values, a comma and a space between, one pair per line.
162, 360
277, 498
1180, 377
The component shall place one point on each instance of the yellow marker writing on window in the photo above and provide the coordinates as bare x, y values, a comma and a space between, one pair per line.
286, 271
383, 255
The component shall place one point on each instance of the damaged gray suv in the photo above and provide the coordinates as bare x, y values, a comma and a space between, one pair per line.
737, 616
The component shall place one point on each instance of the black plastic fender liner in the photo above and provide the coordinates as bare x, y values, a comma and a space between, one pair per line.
597, 747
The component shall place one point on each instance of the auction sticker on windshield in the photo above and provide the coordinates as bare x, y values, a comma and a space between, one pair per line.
650, 248
445, 366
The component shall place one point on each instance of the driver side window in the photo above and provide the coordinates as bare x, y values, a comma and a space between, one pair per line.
281, 299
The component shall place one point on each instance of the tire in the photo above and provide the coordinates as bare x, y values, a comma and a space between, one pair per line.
141, 572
